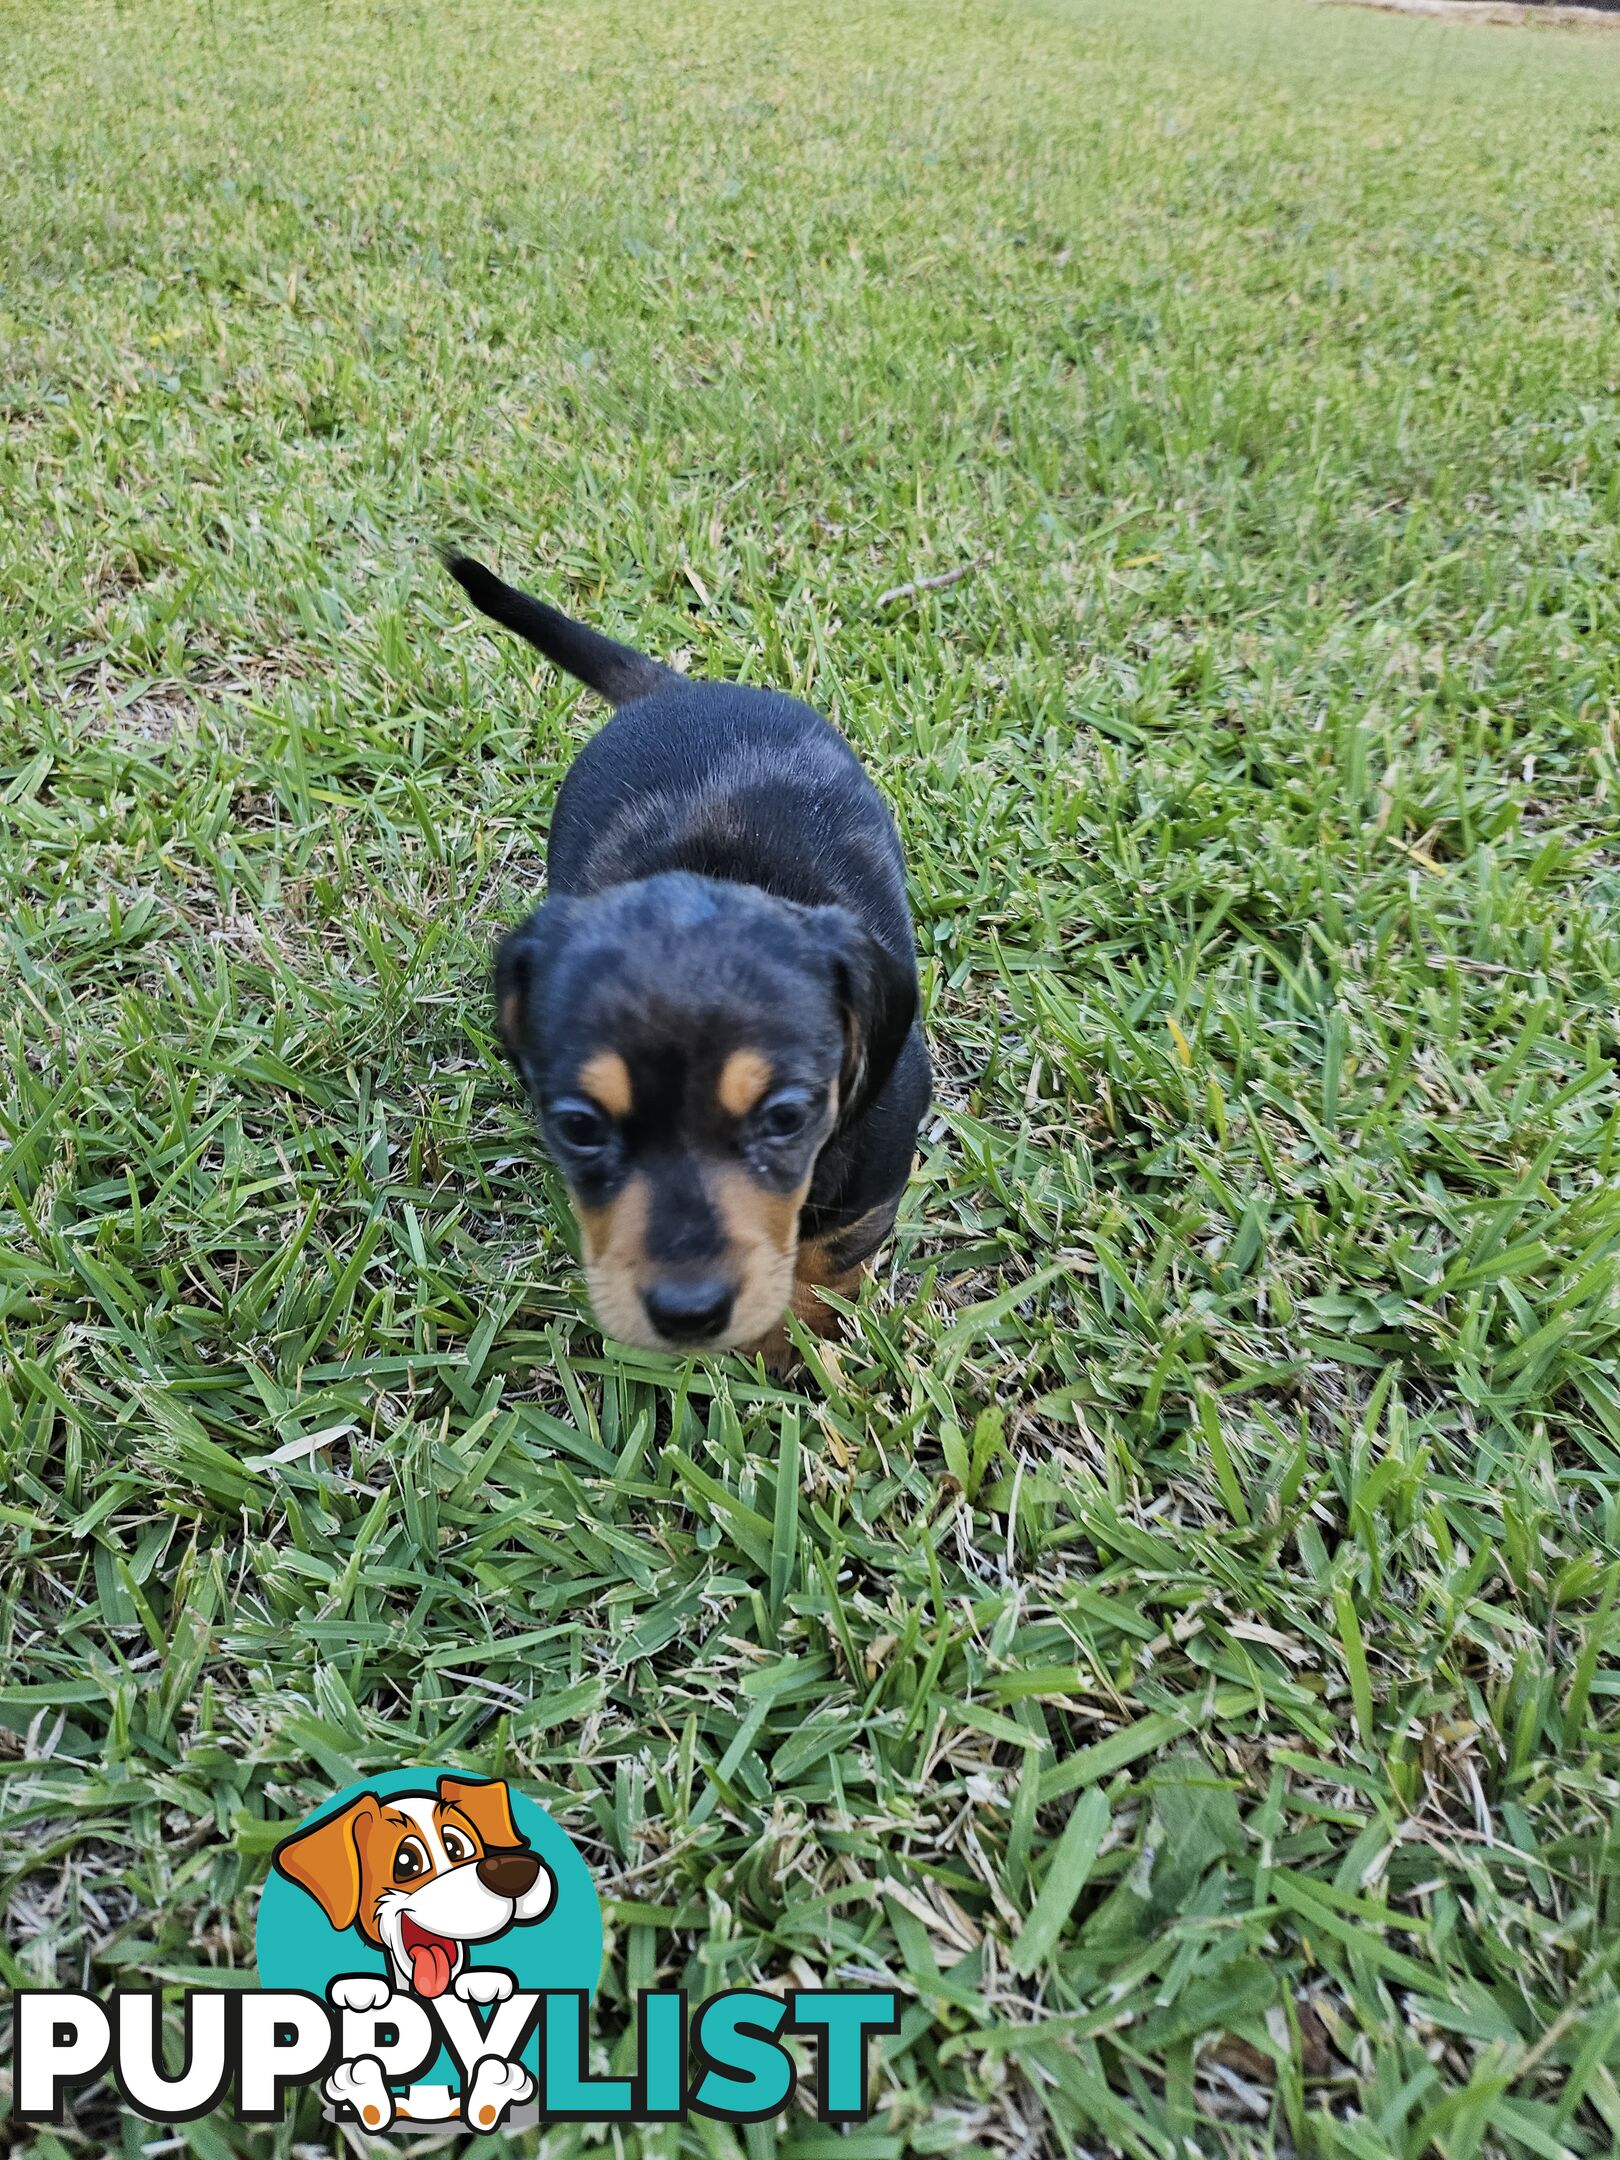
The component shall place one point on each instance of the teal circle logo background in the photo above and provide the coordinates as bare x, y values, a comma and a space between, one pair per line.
297, 1947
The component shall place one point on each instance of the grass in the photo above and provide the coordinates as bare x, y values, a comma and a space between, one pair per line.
1172, 1639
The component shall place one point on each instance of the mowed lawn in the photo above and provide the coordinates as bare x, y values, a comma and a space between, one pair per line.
1171, 1640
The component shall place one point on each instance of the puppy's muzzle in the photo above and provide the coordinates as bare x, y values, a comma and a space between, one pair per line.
510, 1873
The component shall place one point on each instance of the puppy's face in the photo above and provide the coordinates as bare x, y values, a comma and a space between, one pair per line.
421, 1875
690, 1046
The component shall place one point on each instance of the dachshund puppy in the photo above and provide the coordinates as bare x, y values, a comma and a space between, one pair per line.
715, 1011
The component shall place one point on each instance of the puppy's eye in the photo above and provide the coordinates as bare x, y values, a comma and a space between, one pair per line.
411, 1861
782, 1117
457, 1847
580, 1126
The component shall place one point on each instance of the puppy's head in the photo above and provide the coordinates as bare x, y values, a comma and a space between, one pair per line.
690, 1047
421, 1875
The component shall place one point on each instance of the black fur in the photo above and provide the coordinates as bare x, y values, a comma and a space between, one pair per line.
722, 873
613, 671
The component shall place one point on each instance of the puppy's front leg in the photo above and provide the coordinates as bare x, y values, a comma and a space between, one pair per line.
819, 1265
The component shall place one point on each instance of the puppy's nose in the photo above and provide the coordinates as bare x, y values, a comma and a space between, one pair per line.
689, 1312
508, 1874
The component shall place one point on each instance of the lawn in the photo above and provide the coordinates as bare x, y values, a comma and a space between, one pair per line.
1171, 1640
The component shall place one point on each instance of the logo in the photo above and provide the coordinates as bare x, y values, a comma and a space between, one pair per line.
429, 1944
430, 1888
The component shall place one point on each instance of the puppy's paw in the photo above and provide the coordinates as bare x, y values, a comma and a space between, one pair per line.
359, 1991
483, 1984
496, 2086
359, 2084
778, 1350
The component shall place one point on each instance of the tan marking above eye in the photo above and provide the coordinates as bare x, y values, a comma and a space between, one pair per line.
744, 1077
606, 1079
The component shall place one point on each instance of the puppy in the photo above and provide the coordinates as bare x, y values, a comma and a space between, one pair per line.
715, 1011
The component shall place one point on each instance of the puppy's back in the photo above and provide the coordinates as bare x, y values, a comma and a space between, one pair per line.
728, 782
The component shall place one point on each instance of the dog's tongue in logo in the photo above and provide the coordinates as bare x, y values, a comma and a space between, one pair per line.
433, 1960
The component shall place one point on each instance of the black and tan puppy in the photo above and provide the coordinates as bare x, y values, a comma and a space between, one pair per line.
715, 1011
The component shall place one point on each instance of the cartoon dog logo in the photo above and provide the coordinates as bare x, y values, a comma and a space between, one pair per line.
421, 1876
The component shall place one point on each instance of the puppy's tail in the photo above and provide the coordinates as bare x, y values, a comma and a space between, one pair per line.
615, 672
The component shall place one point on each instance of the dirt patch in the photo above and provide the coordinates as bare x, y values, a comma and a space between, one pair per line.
156, 717
157, 712
1603, 13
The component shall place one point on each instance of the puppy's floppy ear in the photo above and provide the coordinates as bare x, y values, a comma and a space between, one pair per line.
877, 994
325, 1859
523, 960
487, 1805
